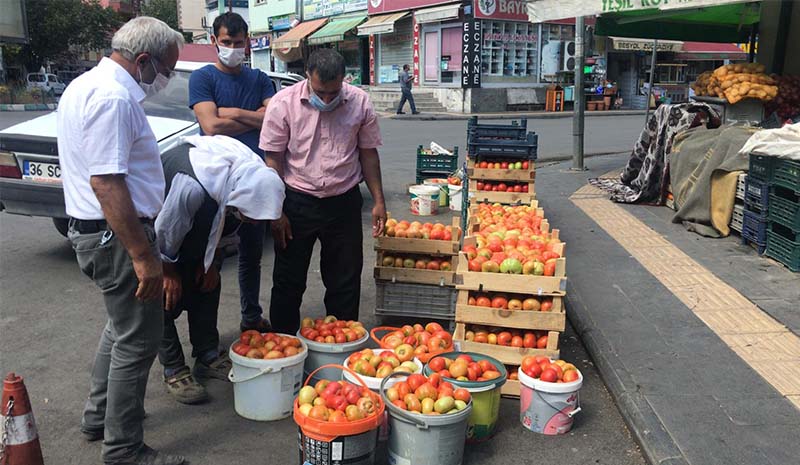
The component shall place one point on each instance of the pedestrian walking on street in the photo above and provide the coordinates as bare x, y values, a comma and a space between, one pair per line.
230, 99
322, 137
405, 87
113, 190
214, 186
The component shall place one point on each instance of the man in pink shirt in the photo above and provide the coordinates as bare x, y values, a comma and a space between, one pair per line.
321, 135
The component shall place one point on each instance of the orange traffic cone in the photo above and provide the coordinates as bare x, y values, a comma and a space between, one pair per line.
19, 440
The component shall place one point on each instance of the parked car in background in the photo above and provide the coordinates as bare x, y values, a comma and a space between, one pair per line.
30, 175
67, 76
49, 83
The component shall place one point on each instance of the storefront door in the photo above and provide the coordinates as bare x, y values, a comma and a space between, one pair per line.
432, 57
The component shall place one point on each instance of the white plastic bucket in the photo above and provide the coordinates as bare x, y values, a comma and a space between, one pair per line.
322, 353
548, 408
424, 200
441, 183
264, 390
455, 196
375, 383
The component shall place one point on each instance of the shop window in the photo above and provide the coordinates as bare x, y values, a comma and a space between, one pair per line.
450, 58
510, 49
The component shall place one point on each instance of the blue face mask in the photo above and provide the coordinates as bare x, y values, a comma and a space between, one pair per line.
317, 102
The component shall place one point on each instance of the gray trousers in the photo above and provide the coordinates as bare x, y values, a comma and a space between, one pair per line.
127, 348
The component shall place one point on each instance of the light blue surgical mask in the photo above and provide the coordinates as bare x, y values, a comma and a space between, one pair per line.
320, 105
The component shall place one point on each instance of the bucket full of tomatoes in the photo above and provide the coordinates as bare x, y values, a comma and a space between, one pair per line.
483, 377
338, 421
330, 341
427, 419
268, 364
423, 341
549, 395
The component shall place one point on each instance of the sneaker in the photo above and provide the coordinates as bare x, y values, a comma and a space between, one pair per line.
401, 113
262, 326
185, 389
218, 369
415, 112
149, 456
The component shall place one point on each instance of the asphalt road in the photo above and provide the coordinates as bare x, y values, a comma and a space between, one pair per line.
51, 317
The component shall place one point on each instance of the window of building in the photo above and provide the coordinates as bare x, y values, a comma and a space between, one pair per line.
510, 49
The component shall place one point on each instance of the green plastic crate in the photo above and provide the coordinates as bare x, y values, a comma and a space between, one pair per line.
783, 249
760, 167
784, 211
786, 173
438, 163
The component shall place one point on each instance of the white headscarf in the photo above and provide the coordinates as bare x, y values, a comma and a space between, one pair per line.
234, 176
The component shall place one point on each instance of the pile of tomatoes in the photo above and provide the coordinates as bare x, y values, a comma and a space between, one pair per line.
431, 338
507, 337
383, 363
331, 331
428, 395
464, 368
336, 402
417, 230
544, 369
253, 344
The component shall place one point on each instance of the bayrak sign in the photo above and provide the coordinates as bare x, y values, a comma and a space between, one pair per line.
540, 11
511, 10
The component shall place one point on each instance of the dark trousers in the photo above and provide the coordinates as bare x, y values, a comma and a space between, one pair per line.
201, 309
127, 346
336, 222
251, 247
407, 96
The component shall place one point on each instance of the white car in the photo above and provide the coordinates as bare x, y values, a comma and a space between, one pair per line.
49, 83
30, 176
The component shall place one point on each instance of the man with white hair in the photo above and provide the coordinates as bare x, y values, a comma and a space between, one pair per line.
215, 185
113, 190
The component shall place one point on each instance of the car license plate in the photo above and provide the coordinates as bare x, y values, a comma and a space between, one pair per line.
41, 172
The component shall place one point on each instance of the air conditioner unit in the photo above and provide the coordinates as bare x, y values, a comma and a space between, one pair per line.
568, 56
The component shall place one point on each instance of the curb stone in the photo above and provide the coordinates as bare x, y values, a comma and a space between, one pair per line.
508, 115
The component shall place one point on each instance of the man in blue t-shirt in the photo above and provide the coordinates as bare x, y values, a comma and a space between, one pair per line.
230, 99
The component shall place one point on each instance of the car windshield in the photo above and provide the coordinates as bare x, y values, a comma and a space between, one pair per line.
172, 102
36, 77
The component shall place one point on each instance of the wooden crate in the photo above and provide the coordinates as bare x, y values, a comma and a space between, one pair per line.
554, 320
500, 175
508, 198
473, 223
545, 229
511, 388
420, 246
514, 283
414, 275
506, 354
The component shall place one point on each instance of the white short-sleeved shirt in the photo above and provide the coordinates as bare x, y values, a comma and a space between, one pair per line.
102, 129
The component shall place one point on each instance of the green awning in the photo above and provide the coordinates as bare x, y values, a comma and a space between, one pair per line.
335, 30
724, 23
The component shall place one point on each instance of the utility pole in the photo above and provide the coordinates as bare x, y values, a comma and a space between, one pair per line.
579, 96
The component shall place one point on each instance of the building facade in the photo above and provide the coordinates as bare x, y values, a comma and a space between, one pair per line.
214, 7
192, 18
270, 19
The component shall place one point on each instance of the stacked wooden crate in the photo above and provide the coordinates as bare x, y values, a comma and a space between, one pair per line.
414, 291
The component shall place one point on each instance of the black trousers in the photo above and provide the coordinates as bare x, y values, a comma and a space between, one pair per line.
201, 309
336, 222
407, 96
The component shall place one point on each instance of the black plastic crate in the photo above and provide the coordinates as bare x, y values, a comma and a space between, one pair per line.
515, 130
760, 167
505, 148
756, 195
438, 163
785, 208
782, 247
786, 173
415, 300
754, 230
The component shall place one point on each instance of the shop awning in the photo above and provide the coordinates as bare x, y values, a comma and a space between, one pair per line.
710, 51
438, 13
335, 30
381, 24
542, 11
295, 36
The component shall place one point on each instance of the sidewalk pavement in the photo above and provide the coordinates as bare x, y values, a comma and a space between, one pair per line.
701, 374
507, 115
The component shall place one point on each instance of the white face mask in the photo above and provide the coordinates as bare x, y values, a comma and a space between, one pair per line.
159, 83
230, 57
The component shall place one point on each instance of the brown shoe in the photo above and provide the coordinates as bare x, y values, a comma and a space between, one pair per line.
184, 388
218, 369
